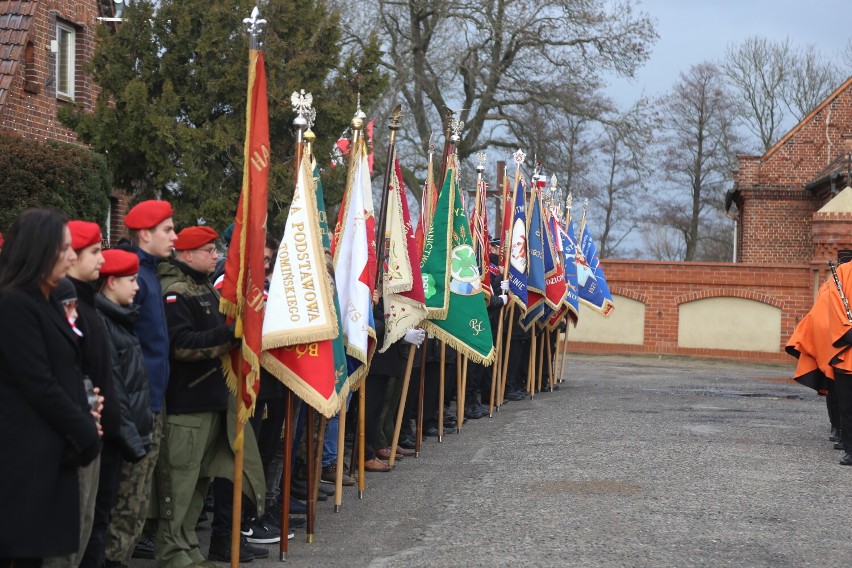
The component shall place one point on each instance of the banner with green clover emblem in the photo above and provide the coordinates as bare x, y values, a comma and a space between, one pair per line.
464, 325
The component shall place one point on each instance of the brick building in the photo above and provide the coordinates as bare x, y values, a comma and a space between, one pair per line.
793, 209
783, 196
45, 46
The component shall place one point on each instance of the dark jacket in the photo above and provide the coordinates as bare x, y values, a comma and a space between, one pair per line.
129, 378
151, 327
391, 363
198, 337
96, 361
48, 430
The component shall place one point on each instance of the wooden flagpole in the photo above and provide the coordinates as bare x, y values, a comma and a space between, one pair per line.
300, 124
237, 497
540, 369
550, 378
425, 222
461, 372
418, 441
254, 26
309, 466
401, 410
519, 158
441, 392
341, 447
448, 149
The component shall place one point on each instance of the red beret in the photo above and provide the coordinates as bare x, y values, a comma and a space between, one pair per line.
148, 214
84, 234
119, 262
195, 237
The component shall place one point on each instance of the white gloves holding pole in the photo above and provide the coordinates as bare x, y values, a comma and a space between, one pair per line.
414, 336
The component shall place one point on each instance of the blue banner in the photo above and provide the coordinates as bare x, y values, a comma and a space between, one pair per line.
518, 253
593, 289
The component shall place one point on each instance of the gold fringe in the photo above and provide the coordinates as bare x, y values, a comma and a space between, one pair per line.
459, 345
600, 309
232, 380
326, 407
287, 339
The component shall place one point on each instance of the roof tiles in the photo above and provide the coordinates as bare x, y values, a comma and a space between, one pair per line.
15, 18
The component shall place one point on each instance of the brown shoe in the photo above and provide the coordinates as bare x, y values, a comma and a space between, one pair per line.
376, 464
400, 451
329, 475
385, 453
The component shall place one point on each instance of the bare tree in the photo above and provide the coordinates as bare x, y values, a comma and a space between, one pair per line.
663, 243
622, 171
810, 79
698, 153
757, 70
491, 59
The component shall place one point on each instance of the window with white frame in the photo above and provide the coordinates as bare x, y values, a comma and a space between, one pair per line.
65, 60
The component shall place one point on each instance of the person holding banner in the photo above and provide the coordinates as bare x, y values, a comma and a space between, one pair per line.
195, 445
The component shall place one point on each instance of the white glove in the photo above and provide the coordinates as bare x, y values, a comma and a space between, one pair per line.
414, 336
505, 299
504, 286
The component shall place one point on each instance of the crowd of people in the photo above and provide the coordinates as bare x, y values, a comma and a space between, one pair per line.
117, 416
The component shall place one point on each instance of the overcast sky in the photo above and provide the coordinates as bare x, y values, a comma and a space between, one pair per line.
692, 31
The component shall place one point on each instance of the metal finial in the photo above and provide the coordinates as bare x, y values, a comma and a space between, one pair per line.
553, 183
254, 24
481, 158
568, 201
519, 157
585, 205
396, 117
431, 145
456, 126
311, 118
301, 102
358, 112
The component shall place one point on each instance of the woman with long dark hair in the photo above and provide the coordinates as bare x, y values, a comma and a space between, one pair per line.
46, 422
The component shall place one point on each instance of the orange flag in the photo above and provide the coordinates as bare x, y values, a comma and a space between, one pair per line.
242, 291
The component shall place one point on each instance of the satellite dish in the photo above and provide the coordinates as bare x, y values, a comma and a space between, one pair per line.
119, 8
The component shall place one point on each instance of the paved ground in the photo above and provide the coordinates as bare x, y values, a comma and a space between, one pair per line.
635, 461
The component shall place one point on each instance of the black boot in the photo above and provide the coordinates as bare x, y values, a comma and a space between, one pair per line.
846, 459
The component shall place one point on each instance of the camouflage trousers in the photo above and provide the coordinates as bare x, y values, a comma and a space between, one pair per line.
131, 503
87, 477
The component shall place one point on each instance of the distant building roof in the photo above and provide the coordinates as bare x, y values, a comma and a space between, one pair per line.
15, 18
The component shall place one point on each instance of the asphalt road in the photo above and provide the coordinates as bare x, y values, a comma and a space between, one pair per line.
635, 461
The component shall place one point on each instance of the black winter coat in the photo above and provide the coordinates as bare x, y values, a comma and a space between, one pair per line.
47, 428
129, 378
96, 361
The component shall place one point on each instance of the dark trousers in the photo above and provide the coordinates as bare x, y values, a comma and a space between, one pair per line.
516, 370
223, 491
843, 392
377, 386
111, 462
831, 405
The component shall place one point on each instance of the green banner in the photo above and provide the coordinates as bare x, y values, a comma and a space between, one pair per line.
450, 271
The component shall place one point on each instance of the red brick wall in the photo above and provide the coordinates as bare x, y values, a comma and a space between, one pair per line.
119, 205
33, 115
663, 286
